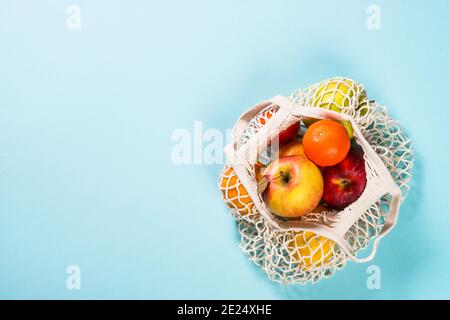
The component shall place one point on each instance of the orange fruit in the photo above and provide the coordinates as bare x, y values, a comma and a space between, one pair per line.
326, 143
234, 193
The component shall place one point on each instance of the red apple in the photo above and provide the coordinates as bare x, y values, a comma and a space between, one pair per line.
288, 133
345, 182
294, 188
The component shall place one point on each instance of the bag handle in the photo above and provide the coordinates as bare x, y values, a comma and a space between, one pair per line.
244, 119
391, 220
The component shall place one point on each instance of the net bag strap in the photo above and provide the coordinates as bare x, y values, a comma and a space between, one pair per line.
391, 220
245, 118
239, 160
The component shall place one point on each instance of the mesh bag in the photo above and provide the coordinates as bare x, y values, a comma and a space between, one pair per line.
306, 249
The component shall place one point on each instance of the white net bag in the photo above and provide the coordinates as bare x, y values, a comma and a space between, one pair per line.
306, 249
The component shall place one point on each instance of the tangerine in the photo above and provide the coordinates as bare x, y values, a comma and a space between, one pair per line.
326, 143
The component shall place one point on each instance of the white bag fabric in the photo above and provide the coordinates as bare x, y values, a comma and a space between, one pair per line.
305, 249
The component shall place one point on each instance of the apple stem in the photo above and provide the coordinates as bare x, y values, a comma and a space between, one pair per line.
262, 184
276, 177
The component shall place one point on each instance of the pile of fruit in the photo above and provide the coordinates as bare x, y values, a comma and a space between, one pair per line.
318, 166
317, 171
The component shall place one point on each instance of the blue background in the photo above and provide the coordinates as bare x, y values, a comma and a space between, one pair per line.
86, 118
